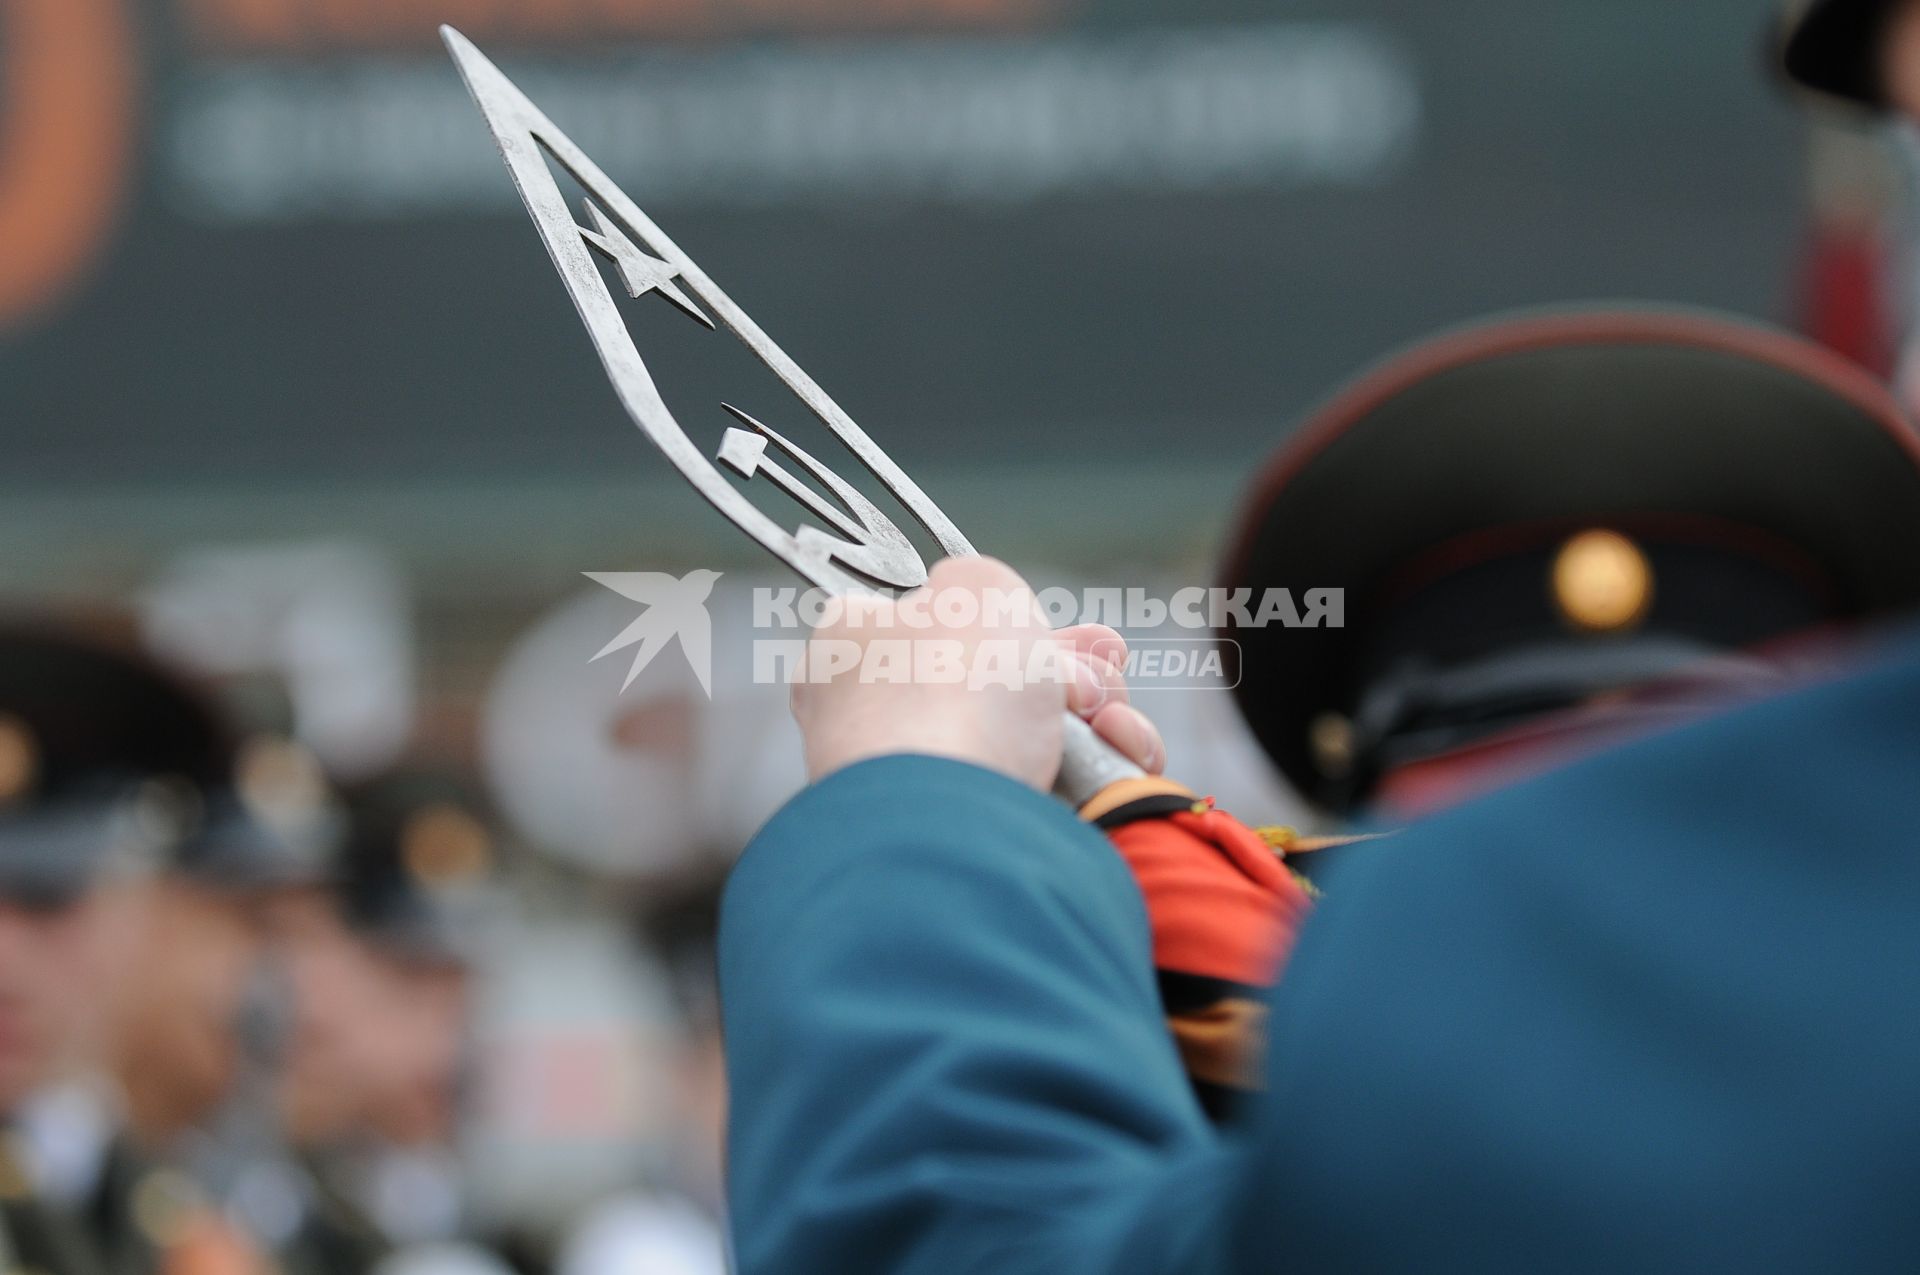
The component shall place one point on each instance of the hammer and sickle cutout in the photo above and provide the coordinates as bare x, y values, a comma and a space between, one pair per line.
864, 548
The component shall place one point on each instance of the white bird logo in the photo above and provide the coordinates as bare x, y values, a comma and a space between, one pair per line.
676, 608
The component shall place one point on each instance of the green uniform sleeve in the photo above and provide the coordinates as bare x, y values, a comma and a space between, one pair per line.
945, 1044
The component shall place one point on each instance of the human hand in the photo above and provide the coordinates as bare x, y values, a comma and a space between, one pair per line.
964, 667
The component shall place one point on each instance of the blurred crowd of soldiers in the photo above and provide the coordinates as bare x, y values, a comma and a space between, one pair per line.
237, 1000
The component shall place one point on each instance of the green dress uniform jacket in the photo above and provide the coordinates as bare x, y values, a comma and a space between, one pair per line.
1656, 1012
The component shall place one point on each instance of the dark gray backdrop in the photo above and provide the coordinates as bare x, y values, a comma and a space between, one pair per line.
289, 298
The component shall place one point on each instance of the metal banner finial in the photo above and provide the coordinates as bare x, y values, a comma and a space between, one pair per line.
864, 548
867, 549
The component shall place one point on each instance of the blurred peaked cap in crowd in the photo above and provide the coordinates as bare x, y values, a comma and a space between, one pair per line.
1532, 513
646, 780
417, 865
588, 769
1833, 47
106, 756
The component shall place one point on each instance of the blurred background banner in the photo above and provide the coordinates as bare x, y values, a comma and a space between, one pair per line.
253, 245
282, 359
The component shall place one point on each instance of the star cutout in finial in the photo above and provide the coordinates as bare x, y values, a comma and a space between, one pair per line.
639, 271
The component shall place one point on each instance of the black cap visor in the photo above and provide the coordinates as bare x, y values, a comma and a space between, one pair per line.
51, 857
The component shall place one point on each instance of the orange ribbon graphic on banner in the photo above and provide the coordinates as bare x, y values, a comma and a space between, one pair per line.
67, 85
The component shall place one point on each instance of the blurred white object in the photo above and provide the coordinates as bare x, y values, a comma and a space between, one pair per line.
644, 1235
643, 780
329, 620
63, 1135
441, 1259
577, 1047
600, 778
414, 1193
749, 763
